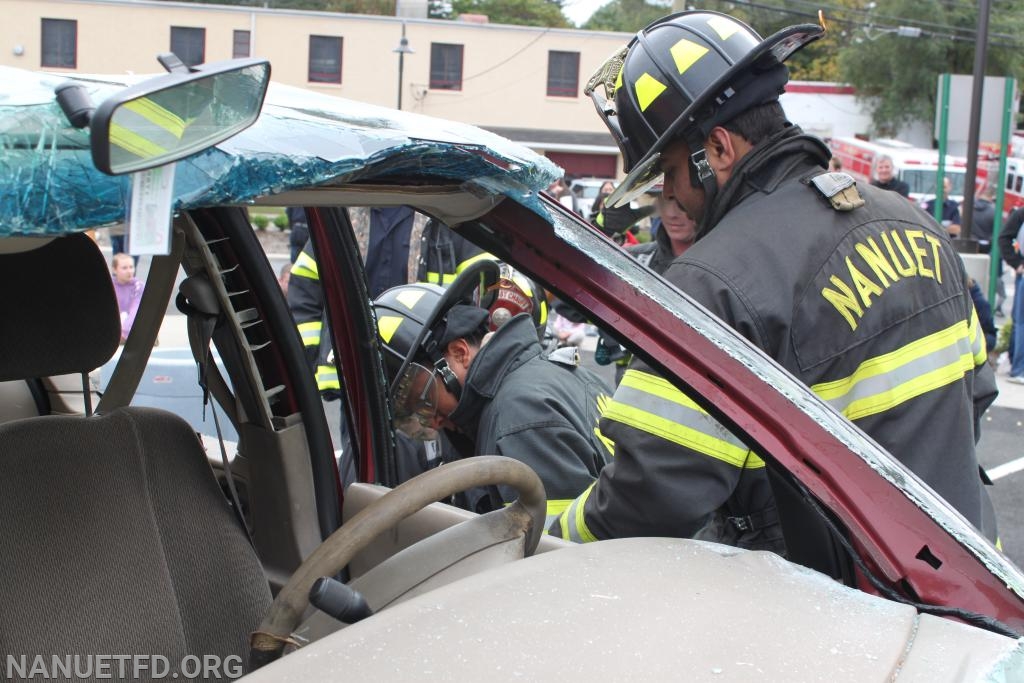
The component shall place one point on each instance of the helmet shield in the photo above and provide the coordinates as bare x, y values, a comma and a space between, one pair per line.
415, 399
683, 75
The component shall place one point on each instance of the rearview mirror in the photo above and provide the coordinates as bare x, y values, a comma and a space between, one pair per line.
176, 115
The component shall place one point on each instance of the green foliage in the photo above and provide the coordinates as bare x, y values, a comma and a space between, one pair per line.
1003, 337
519, 12
900, 73
281, 222
259, 220
627, 16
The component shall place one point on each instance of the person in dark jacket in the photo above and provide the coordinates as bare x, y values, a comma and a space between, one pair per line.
1010, 249
494, 392
858, 295
885, 179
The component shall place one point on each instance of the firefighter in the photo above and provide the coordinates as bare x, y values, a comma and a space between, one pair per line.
855, 292
444, 254
500, 396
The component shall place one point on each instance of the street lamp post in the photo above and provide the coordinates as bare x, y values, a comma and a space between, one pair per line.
403, 49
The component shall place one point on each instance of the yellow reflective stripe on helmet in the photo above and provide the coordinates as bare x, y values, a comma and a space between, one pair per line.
410, 297
327, 377
310, 333
572, 524
555, 508
978, 346
651, 404
723, 26
387, 325
305, 266
482, 256
686, 53
885, 381
647, 89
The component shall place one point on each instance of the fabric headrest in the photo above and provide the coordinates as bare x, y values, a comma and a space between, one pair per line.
58, 309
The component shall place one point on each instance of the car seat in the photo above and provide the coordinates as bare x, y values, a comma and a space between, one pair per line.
116, 538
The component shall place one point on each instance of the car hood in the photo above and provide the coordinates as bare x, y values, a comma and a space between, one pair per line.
651, 609
49, 186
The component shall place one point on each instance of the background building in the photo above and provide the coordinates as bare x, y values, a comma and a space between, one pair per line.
525, 83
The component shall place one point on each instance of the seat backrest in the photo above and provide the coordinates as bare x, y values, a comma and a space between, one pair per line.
116, 537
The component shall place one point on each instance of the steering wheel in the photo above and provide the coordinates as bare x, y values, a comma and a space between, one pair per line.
527, 513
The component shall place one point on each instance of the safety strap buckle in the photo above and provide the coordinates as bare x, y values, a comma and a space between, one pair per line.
699, 159
755, 521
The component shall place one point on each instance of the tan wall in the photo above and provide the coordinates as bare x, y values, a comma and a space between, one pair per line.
504, 67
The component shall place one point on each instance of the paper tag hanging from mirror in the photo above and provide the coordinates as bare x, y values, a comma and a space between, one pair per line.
149, 217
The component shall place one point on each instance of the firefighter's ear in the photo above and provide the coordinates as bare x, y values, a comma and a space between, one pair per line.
459, 356
724, 150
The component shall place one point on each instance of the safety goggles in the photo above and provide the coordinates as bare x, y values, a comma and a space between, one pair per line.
415, 402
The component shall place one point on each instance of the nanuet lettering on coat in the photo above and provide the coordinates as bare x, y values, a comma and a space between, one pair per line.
873, 265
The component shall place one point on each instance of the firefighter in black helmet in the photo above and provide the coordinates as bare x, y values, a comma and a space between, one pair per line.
851, 289
493, 392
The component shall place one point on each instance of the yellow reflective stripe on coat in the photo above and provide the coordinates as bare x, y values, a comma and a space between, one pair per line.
310, 333
651, 404
886, 381
555, 508
572, 524
305, 266
327, 377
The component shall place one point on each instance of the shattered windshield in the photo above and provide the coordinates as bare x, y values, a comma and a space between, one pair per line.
48, 184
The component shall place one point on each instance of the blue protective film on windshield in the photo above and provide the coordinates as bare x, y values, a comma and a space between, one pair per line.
48, 184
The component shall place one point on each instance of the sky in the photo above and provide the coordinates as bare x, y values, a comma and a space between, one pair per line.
579, 11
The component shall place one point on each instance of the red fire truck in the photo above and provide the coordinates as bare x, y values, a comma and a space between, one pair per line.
916, 166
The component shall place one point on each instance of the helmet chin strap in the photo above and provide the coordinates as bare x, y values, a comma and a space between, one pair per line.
702, 176
448, 378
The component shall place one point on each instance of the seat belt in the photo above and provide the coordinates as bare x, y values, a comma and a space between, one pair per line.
197, 299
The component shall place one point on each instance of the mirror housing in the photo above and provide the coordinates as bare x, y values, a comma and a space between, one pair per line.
176, 115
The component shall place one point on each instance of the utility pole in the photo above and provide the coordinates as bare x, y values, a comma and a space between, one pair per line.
974, 130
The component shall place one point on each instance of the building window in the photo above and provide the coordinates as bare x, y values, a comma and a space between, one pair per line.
189, 44
445, 66
324, 59
240, 46
563, 74
60, 43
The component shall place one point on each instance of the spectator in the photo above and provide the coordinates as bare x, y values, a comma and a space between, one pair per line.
950, 216
885, 179
284, 276
567, 332
128, 289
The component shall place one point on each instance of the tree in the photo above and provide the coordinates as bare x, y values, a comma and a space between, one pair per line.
627, 16
899, 71
519, 12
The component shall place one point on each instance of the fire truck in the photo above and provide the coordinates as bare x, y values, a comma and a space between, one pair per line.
1013, 182
916, 166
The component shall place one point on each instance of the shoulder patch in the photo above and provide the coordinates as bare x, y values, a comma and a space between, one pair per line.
840, 189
